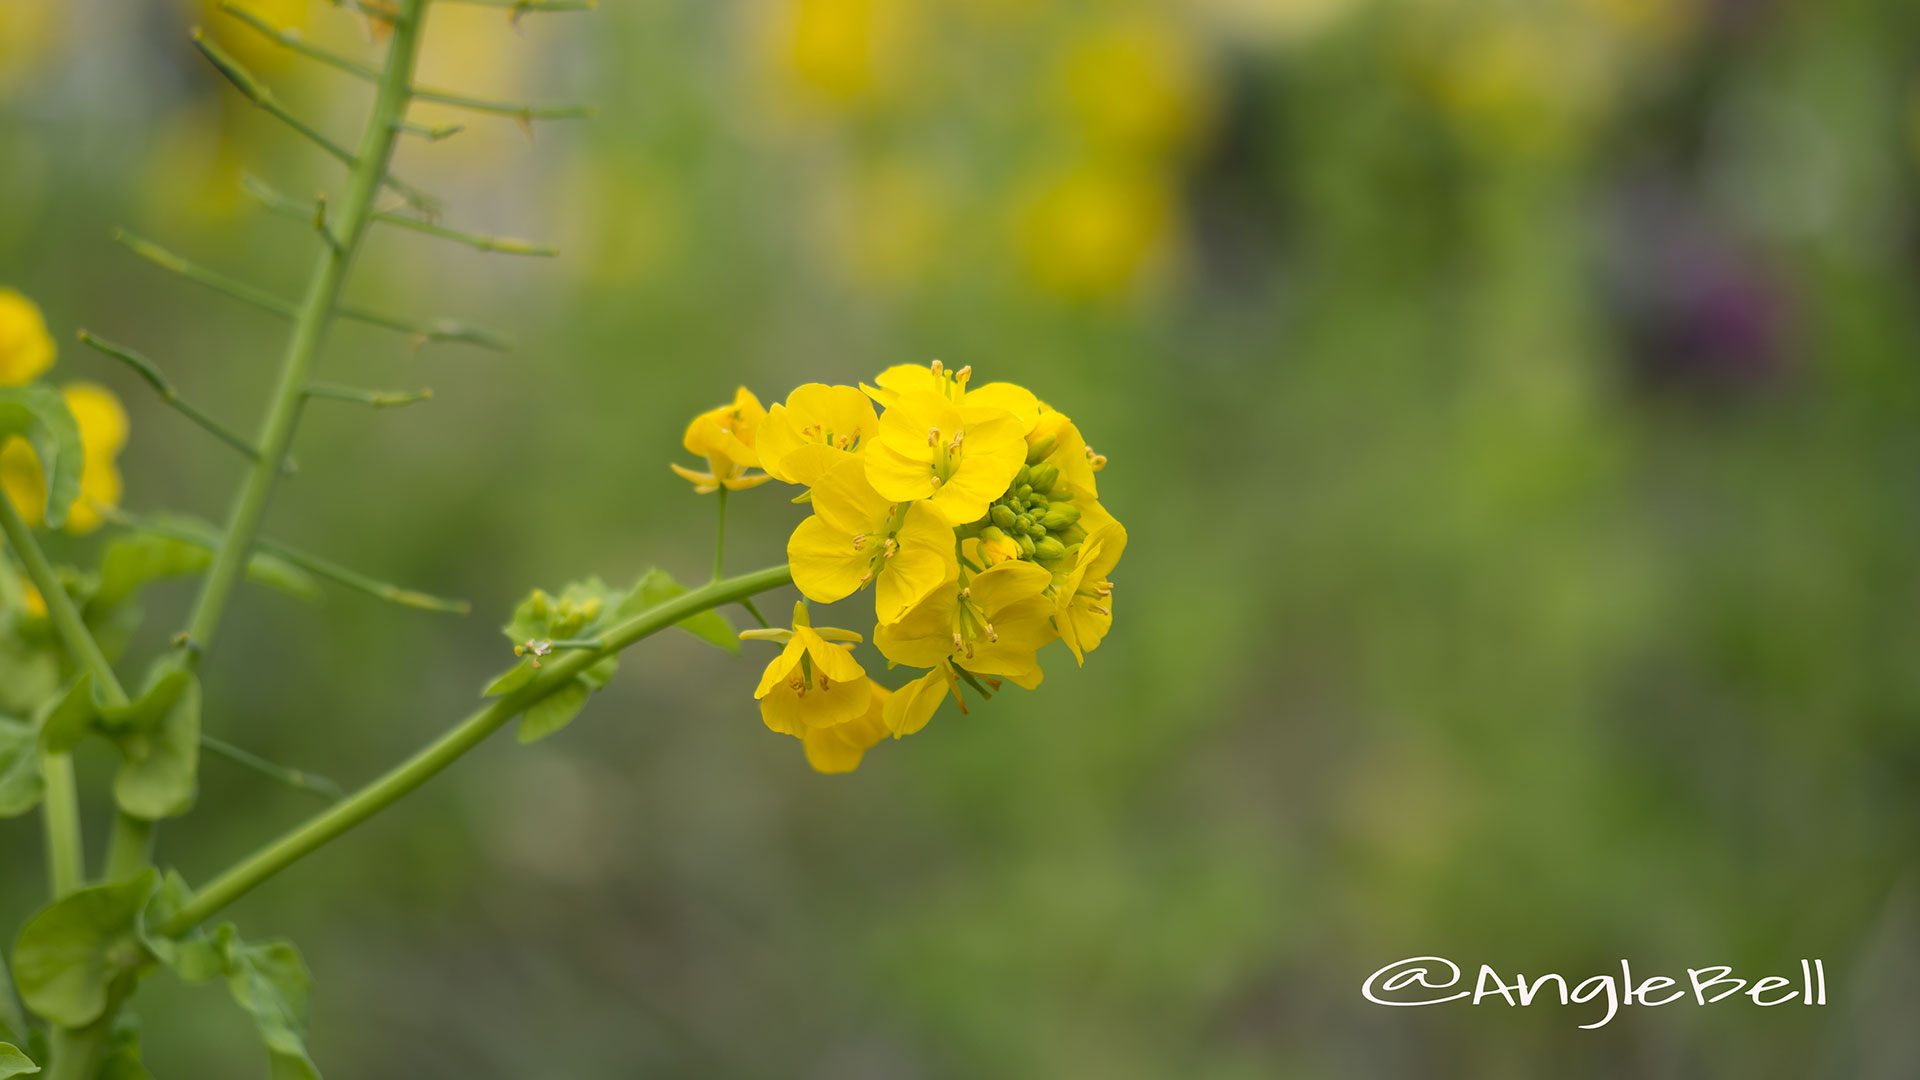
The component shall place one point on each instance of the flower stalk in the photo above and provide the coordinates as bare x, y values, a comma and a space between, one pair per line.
246, 875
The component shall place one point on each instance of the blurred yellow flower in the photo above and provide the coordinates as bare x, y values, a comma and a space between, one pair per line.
857, 537
1136, 85
103, 432
815, 428
27, 33
26, 349
840, 53
725, 436
1092, 231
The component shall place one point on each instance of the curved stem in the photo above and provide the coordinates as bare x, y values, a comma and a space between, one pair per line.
302, 840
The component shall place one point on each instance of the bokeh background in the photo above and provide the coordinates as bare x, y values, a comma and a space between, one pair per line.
1516, 411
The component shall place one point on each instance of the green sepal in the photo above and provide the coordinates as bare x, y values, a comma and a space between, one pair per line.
20, 782
39, 415
15, 1062
70, 952
511, 679
656, 587
555, 711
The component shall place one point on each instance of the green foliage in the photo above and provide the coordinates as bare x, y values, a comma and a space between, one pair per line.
72, 951
15, 1062
656, 587
131, 562
269, 980
582, 610
555, 711
20, 783
39, 415
122, 1060
159, 740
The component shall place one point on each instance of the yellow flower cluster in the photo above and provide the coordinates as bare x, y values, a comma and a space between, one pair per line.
27, 351
972, 512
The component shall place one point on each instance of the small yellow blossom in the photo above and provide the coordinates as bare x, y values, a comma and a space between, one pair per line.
838, 749
26, 349
990, 623
1082, 595
1135, 85
959, 457
911, 706
936, 378
725, 436
818, 426
1096, 231
103, 432
813, 683
858, 537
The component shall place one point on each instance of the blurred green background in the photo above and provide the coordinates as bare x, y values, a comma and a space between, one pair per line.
1515, 407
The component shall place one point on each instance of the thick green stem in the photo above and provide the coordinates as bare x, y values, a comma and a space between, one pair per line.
60, 813
310, 327
276, 856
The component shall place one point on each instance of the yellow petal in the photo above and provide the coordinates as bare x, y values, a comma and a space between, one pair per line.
1015, 400
703, 483
1007, 583
838, 749
847, 500
923, 636
101, 418
911, 706
826, 568
923, 561
1021, 631
897, 476
782, 666
830, 660
26, 349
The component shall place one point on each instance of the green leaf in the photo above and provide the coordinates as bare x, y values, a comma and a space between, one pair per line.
20, 785
134, 561
15, 1062
580, 609
39, 415
65, 720
28, 674
71, 951
555, 711
159, 771
656, 587
511, 679
271, 983
122, 1060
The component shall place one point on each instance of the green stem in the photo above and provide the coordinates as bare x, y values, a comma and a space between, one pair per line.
60, 813
66, 846
294, 845
309, 331
720, 538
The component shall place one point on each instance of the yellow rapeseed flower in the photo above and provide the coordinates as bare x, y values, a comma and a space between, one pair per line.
857, 537
816, 427
103, 432
26, 349
725, 436
813, 683
953, 384
958, 456
838, 749
1082, 595
990, 623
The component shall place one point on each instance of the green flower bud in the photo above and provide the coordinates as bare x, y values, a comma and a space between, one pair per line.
1047, 549
1038, 451
1023, 491
1002, 516
1018, 478
1044, 477
1022, 522
1060, 517
1026, 544
1036, 530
